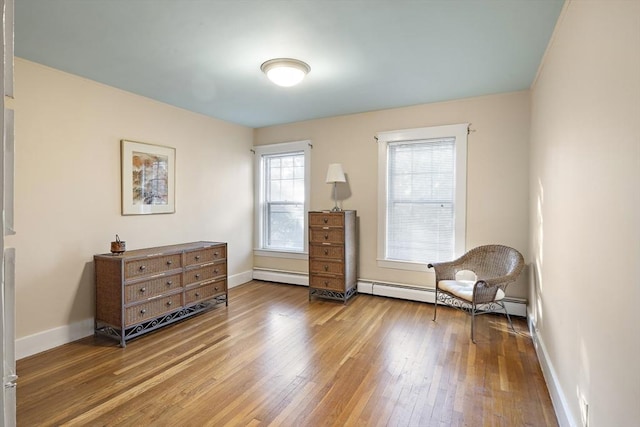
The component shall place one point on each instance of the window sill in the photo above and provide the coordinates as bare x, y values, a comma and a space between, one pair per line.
280, 254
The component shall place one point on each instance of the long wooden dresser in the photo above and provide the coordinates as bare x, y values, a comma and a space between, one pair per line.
141, 290
332, 254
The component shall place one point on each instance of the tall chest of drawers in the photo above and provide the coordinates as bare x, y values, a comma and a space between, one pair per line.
332, 255
141, 290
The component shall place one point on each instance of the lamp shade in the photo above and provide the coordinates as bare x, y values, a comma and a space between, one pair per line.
335, 173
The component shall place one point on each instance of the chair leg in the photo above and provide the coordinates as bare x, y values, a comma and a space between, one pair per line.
508, 317
473, 318
435, 307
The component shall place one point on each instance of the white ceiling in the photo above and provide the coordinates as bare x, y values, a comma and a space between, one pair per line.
205, 55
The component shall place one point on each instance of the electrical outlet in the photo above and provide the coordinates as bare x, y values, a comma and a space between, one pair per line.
584, 411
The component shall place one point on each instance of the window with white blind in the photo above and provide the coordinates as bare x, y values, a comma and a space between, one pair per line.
282, 194
422, 193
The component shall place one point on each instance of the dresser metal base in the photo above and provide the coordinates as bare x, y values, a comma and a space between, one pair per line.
335, 295
136, 330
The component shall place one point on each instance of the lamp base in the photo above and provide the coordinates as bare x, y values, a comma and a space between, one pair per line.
335, 199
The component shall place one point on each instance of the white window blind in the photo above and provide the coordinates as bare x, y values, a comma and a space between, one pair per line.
284, 201
282, 176
421, 200
421, 195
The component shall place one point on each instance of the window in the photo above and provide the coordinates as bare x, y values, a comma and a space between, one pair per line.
422, 193
282, 194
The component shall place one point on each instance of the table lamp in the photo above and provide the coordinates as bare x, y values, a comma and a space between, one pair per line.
335, 174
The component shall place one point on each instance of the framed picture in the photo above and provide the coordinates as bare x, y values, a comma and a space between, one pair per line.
148, 178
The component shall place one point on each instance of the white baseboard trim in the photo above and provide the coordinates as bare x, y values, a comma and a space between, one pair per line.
288, 277
558, 397
239, 279
394, 290
45, 340
515, 306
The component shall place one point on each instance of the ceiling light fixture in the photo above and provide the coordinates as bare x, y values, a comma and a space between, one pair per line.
285, 71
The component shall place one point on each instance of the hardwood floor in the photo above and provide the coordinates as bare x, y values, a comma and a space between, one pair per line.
274, 358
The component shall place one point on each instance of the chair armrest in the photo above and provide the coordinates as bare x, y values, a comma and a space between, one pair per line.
495, 281
503, 280
485, 290
447, 270
498, 281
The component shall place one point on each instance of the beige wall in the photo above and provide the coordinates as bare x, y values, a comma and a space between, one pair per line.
585, 212
67, 186
497, 189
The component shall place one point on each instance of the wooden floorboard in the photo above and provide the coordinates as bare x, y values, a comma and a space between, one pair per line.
274, 358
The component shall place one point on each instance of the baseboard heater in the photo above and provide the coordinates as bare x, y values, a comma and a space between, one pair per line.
516, 306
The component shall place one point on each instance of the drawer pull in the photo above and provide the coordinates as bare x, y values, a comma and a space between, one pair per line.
326, 220
143, 311
143, 267
215, 271
326, 283
216, 288
326, 251
197, 294
215, 254
197, 276
169, 262
326, 236
169, 303
326, 267
197, 257
143, 290
169, 282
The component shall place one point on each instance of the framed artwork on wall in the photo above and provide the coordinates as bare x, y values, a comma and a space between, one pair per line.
148, 178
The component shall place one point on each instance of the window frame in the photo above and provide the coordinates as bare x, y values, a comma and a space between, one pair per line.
259, 196
457, 131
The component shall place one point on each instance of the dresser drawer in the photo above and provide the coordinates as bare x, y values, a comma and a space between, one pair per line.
326, 235
330, 283
151, 265
150, 309
204, 292
202, 256
149, 288
326, 267
206, 272
326, 219
326, 251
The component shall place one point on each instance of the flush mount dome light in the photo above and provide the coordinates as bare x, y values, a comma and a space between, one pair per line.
285, 71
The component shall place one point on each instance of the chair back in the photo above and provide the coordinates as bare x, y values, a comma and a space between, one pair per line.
494, 261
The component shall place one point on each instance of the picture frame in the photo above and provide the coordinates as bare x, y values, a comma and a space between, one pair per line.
148, 178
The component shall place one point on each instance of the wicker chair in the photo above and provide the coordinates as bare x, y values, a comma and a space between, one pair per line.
495, 267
